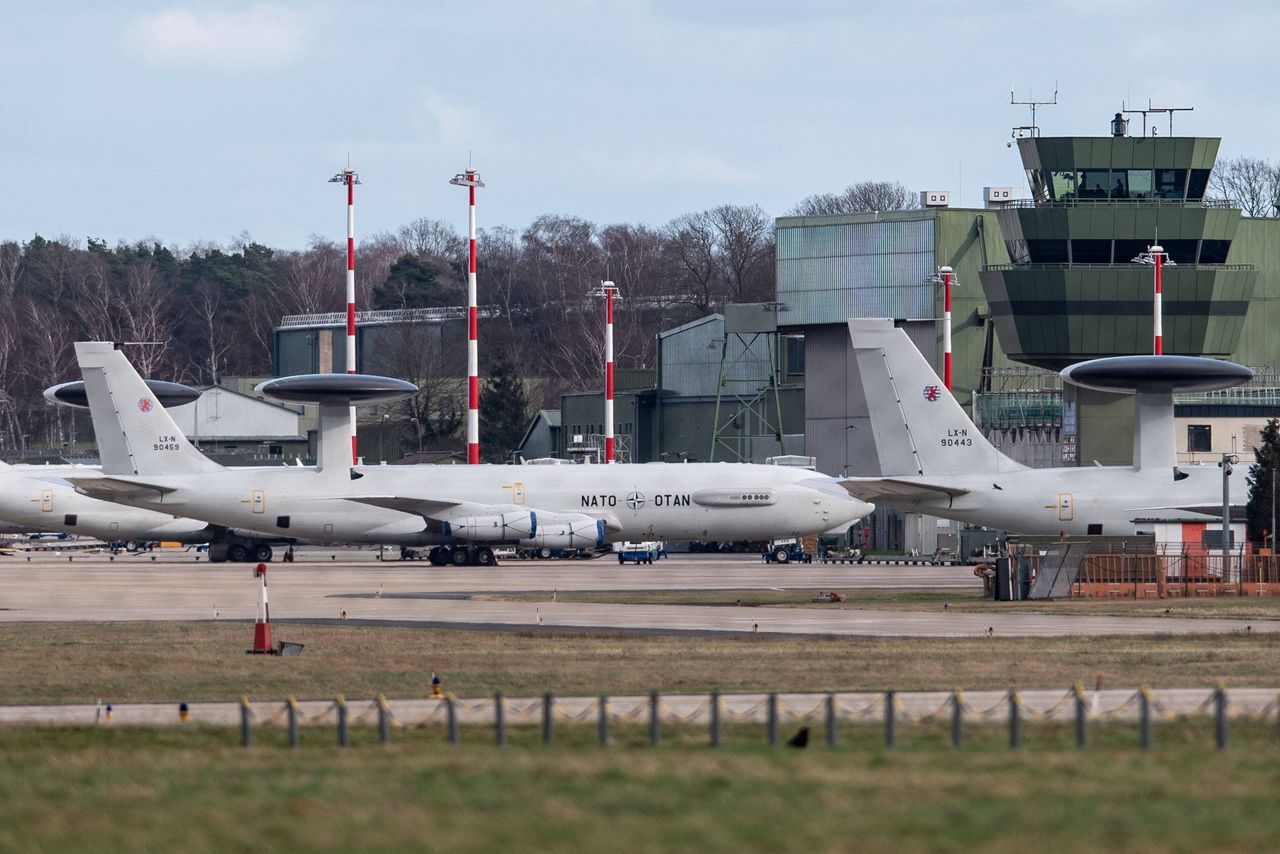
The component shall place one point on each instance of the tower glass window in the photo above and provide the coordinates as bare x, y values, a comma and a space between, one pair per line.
1171, 183
1093, 184
1198, 184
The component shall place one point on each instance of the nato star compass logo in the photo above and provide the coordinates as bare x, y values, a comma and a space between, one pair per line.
635, 500
932, 393
144, 405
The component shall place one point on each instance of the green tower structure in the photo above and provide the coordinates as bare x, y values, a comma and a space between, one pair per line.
1075, 289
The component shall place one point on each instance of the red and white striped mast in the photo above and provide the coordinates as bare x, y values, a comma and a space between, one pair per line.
1156, 256
944, 277
608, 290
1158, 321
471, 180
349, 178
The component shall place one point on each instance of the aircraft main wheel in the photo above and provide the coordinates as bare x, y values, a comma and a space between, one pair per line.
459, 557
262, 553
237, 552
439, 556
781, 555
544, 553
484, 556
132, 546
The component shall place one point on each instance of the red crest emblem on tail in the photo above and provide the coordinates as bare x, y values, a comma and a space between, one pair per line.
144, 405
932, 393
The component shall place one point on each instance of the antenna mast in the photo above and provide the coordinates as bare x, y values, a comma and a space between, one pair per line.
1031, 130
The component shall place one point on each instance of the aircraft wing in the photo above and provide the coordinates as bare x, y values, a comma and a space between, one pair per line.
889, 489
431, 509
114, 488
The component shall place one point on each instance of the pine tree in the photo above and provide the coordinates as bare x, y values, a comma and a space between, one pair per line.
1266, 466
504, 410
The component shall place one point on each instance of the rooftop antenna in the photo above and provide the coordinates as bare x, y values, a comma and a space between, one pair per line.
1150, 110
1031, 130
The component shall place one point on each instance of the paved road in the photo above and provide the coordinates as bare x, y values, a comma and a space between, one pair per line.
176, 587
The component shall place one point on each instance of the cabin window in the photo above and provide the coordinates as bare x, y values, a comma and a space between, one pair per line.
1199, 438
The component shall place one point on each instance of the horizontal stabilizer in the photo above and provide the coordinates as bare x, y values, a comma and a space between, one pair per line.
115, 488
888, 488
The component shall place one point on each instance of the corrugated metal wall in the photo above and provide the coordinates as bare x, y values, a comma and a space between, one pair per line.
827, 273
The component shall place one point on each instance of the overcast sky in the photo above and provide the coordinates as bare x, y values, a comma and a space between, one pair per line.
199, 121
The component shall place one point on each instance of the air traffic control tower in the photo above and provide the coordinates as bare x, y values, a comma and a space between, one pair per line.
1076, 287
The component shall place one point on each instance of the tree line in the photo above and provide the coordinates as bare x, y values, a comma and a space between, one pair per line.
208, 310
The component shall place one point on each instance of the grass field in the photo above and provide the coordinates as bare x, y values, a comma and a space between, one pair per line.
968, 601
121, 662
192, 790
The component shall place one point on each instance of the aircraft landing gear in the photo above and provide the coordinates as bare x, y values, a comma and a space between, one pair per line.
439, 556
483, 556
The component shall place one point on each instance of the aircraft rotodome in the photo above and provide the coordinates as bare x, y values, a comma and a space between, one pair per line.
147, 462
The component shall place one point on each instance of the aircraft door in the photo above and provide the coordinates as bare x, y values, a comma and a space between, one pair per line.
46, 501
1066, 507
517, 492
258, 502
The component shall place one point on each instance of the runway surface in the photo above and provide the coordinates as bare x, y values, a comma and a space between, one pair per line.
322, 585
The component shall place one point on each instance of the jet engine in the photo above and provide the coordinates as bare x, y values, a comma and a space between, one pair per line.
570, 531
518, 525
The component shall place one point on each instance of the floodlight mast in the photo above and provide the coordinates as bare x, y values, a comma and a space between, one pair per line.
349, 179
945, 277
471, 180
608, 290
1157, 257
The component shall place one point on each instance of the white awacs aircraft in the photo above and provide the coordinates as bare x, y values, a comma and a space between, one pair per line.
934, 460
466, 509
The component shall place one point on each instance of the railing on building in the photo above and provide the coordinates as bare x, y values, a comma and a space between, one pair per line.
1108, 201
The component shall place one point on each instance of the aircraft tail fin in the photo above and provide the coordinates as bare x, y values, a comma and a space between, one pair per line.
135, 435
918, 426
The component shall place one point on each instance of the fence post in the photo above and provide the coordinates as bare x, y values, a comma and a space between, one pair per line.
1144, 718
655, 720
1220, 716
831, 720
246, 722
715, 718
499, 720
1082, 717
890, 737
341, 703
771, 720
451, 716
384, 721
1015, 720
602, 730
293, 721
548, 713
957, 719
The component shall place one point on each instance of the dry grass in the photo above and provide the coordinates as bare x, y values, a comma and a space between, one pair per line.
120, 662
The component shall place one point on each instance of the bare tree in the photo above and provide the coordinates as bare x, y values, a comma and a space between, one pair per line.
1249, 182
862, 197
145, 309
414, 352
313, 280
